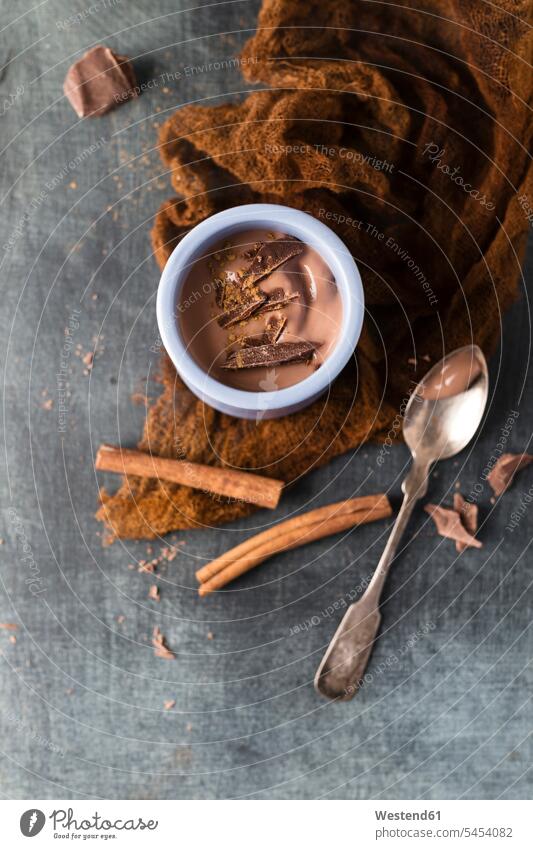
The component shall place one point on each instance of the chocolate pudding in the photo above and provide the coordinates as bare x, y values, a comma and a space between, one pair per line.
456, 374
260, 311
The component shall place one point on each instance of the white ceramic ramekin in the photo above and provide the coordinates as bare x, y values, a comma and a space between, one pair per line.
237, 402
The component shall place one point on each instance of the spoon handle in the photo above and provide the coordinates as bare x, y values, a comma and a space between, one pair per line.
341, 671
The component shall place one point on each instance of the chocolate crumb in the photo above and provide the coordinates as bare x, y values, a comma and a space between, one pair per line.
161, 648
139, 399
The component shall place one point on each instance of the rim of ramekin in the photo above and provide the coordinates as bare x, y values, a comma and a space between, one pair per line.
293, 222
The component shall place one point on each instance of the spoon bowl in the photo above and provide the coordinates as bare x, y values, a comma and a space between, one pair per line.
446, 407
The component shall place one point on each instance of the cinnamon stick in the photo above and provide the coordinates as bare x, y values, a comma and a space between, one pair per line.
290, 534
243, 486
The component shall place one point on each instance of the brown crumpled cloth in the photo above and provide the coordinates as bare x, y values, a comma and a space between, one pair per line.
347, 82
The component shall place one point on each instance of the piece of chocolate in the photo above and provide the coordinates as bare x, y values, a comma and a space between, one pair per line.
99, 81
275, 326
269, 355
269, 336
276, 299
242, 311
449, 525
467, 512
161, 648
270, 256
502, 475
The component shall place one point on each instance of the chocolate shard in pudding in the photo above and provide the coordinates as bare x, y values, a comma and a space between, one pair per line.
270, 335
219, 291
270, 355
99, 81
275, 327
270, 256
276, 299
242, 311
230, 292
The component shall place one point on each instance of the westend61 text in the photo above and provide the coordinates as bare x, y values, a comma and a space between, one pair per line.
407, 815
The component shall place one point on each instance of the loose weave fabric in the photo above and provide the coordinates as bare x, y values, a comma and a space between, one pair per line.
407, 130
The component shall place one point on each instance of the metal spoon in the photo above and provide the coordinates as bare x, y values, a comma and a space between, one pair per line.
440, 419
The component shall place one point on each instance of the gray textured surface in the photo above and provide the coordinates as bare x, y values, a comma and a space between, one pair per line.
81, 694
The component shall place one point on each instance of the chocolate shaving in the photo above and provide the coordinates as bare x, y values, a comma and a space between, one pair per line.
241, 312
269, 355
219, 291
230, 292
501, 476
160, 646
270, 256
467, 512
275, 327
276, 299
270, 335
449, 525
237, 295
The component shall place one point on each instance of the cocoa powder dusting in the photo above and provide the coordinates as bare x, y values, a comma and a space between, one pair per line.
395, 115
